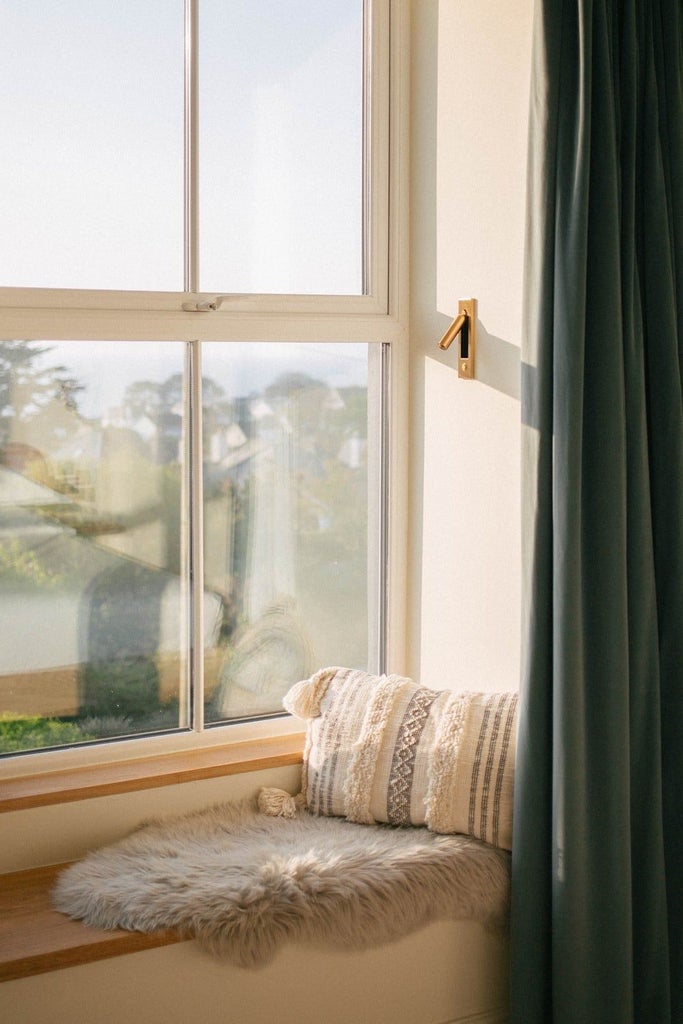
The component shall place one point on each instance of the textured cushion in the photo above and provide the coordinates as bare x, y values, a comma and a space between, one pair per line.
384, 749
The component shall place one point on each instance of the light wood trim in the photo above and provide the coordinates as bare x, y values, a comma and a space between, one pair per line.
150, 772
34, 938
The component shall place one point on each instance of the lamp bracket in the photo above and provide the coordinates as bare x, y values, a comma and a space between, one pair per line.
464, 325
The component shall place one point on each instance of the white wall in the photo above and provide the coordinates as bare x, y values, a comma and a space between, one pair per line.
470, 84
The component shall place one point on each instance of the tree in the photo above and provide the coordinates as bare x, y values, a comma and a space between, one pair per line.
25, 388
143, 398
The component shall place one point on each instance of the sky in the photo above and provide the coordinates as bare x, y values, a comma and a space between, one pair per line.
91, 185
106, 368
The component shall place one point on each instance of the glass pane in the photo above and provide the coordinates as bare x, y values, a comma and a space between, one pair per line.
91, 178
281, 129
92, 592
286, 472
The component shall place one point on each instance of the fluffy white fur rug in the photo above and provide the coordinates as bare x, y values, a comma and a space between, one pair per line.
243, 883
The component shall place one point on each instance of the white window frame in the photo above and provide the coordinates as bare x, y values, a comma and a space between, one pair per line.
379, 316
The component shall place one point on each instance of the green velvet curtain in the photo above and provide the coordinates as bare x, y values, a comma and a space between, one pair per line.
597, 918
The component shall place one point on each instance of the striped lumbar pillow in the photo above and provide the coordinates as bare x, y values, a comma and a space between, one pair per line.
384, 749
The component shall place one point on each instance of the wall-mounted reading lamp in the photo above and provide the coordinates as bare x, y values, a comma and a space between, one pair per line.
465, 325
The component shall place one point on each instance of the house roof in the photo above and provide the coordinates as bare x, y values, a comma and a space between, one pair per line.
16, 489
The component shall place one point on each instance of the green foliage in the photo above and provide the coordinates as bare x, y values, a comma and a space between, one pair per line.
28, 733
25, 733
23, 565
125, 687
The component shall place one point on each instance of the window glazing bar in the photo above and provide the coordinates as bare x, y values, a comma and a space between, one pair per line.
367, 149
195, 567
193, 528
383, 524
191, 177
379, 403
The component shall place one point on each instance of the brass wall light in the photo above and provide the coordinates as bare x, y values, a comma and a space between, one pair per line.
465, 325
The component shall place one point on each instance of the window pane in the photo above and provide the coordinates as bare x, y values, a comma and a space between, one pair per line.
92, 591
281, 123
91, 179
286, 494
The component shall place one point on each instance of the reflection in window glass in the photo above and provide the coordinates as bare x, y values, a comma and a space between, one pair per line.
286, 473
281, 127
91, 187
92, 596
93, 510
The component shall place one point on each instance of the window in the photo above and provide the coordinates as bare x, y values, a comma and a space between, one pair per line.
199, 355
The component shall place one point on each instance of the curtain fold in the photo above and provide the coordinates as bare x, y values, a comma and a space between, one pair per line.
597, 917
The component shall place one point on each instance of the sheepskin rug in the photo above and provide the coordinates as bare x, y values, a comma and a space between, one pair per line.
243, 883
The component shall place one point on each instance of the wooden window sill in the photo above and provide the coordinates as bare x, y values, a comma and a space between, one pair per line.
35, 939
150, 772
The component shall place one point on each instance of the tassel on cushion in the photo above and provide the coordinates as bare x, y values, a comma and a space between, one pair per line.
303, 699
278, 803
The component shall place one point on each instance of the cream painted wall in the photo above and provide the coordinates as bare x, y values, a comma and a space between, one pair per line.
470, 83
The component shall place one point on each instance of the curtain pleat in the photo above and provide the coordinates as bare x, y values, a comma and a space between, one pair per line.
597, 914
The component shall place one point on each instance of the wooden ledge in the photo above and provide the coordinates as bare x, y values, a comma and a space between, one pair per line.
149, 772
34, 938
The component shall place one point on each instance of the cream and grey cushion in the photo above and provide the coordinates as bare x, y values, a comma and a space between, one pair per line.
385, 749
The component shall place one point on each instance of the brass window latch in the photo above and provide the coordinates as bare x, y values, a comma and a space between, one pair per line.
465, 325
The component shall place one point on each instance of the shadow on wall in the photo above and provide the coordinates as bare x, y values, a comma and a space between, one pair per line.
498, 363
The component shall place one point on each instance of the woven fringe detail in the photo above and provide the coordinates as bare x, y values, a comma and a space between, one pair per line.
444, 764
405, 752
358, 789
304, 698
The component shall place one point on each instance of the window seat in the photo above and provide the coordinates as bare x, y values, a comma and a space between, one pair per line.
58, 969
34, 938
240, 874
452, 971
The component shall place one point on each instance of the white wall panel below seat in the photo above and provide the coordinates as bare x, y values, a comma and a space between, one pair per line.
449, 972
